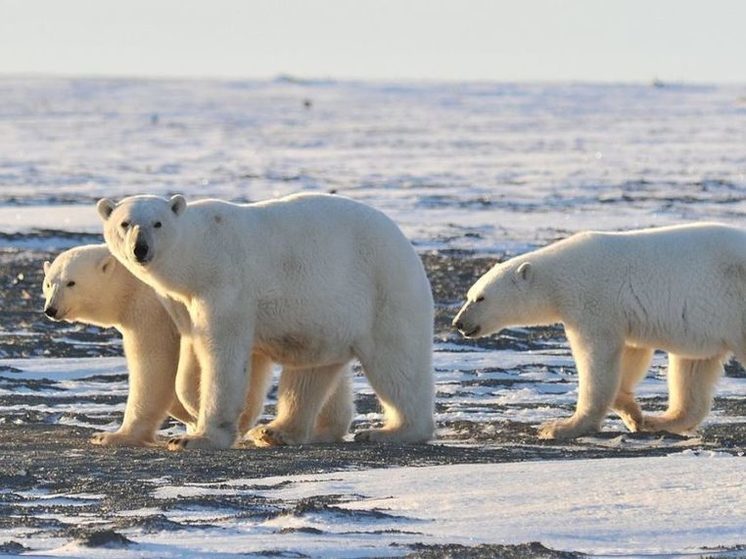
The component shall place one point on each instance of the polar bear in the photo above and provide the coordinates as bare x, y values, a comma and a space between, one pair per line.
86, 284
620, 296
310, 281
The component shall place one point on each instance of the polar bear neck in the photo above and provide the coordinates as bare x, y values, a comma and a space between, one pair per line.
130, 300
542, 305
546, 297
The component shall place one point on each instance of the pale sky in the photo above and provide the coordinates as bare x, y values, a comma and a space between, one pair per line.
548, 40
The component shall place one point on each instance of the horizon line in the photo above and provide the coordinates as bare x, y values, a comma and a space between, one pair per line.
300, 79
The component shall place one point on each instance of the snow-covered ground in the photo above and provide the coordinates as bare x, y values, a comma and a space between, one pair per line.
631, 507
467, 170
674, 504
473, 166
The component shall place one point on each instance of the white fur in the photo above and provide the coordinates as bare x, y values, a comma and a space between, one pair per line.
309, 281
105, 293
620, 296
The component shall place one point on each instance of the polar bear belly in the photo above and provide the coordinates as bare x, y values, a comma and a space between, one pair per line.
303, 349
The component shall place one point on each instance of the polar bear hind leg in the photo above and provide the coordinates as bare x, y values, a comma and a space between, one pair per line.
399, 368
598, 359
259, 382
634, 366
301, 395
179, 412
691, 388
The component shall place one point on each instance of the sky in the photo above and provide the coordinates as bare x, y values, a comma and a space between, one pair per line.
492, 40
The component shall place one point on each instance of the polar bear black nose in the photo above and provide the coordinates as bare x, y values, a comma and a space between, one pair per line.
141, 251
51, 312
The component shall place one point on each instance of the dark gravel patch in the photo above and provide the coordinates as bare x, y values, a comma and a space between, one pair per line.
533, 550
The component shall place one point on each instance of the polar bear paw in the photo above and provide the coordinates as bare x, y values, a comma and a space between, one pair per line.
393, 436
564, 429
668, 423
271, 435
633, 422
120, 439
194, 442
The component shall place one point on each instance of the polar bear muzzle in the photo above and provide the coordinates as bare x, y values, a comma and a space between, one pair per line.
141, 249
51, 312
465, 322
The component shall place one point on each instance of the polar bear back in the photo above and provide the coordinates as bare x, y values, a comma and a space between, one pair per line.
331, 245
680, 288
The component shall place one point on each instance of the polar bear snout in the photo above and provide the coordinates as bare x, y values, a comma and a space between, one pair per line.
50, 311
468, 331
141, 252
141, 249
465, 322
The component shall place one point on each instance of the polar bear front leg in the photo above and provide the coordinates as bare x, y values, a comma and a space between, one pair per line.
635, 364
598, 360
301, 394
222, 342
151, 392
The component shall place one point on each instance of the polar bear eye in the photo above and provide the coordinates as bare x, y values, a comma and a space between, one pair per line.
70, 283
157, 225
124, 224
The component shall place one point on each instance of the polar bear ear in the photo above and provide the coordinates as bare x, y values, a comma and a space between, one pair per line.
525, 272
47, 265
106, 264
105, 207
178, 204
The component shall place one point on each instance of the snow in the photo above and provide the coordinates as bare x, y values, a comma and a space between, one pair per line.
480, 167
62, 368
675, 504
665, 506
25, 219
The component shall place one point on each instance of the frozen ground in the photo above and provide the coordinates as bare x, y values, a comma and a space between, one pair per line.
473, 173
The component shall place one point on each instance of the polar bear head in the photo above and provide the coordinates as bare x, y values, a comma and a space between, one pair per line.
139, 229
76, 282
504, 296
